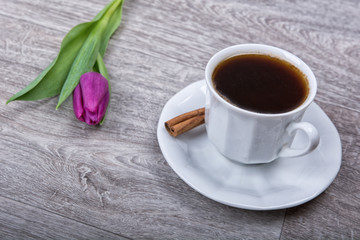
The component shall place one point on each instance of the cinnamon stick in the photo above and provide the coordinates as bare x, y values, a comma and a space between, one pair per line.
185, 122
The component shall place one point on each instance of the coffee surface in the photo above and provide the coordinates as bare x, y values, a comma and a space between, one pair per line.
260, 83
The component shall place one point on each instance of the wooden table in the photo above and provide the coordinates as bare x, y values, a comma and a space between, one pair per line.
62, 179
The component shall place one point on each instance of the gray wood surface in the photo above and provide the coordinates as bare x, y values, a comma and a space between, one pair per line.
62, 179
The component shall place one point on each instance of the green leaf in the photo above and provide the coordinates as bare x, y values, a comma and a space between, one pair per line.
112, 25
83, 62
51, 80
77, 54
88, 54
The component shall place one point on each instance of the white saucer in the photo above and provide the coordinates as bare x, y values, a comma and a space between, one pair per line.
281, 184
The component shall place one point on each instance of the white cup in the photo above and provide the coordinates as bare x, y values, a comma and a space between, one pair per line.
250, 137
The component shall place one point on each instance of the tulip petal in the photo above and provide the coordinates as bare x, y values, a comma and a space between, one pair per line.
78, 103
91, 118
103, 105
94, 86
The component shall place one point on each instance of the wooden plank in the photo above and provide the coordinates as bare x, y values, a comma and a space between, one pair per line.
22, 221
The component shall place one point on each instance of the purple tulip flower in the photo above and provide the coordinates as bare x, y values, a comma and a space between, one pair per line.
91, 98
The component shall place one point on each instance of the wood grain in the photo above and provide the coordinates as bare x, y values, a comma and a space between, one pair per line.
23, 221
62, 179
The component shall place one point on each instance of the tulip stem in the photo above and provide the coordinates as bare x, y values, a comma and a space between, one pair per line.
101, 67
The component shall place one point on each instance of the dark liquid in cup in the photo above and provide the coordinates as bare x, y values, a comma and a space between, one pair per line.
260, 83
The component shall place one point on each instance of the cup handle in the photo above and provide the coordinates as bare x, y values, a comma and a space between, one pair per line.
312, 135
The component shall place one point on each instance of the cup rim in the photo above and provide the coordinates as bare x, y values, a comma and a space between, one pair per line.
254, 48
